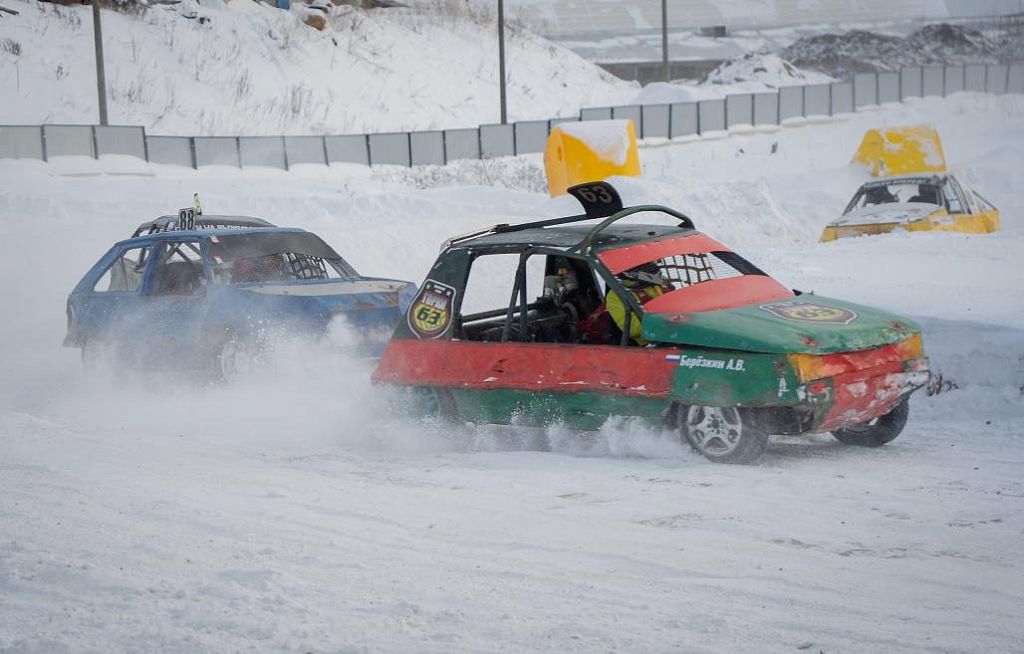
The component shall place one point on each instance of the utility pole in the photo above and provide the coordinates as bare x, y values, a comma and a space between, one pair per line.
101, 79
664, 38
501, 59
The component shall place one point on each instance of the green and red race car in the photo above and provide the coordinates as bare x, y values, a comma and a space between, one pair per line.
655, 321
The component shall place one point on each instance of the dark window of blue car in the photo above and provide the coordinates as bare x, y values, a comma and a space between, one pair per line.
125, 274
180, 270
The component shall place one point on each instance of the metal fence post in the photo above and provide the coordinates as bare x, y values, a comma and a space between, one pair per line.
42, 142
323, 146
803, 101
238, 149
95, 145
444, 146
408, 141
192, 152
366, 144
284, 151
698, 118
778, 106
145, 144
830, 110
984, 88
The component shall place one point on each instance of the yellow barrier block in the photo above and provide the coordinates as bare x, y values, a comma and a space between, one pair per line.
589, 151
901, 151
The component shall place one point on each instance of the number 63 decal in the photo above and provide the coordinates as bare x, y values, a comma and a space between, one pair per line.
599, 199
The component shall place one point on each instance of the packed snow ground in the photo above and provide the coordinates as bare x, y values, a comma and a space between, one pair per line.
295, 512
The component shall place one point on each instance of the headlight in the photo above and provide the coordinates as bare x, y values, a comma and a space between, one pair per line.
910, 348
812, 366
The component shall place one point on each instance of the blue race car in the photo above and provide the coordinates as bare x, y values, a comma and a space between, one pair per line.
207, 292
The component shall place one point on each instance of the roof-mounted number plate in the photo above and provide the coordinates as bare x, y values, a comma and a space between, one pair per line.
599, 199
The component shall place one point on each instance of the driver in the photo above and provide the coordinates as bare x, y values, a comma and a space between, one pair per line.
645, 282
243, 271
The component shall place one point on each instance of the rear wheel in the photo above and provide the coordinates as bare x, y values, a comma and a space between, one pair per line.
723, 434
877, 432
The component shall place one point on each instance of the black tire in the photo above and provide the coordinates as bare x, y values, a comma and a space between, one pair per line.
234, 357
877, 432
438, 403
723, 434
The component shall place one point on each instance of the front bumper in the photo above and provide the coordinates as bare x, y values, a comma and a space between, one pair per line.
857, 397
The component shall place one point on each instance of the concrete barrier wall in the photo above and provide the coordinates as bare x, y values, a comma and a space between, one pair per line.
439, 147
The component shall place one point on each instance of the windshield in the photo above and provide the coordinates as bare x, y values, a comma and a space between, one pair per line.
274, 257
907, 190
690, 273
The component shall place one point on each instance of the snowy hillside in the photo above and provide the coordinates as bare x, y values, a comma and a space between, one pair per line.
252, 70
295, 513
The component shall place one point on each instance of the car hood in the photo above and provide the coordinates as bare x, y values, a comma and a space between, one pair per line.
893, 212
806, 323
343, 295
334, 287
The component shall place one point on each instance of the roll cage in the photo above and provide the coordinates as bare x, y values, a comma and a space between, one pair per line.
600, 201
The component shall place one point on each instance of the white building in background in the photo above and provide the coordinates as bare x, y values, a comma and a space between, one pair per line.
580, 16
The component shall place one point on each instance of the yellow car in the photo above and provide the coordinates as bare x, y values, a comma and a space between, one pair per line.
913, 203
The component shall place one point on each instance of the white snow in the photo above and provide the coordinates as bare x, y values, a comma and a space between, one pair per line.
750, 73
294, 512
758, 72
608, 139
255, 70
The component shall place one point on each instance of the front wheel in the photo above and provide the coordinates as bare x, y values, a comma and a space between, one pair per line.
723, 434
437, 403
877, 432
236, 358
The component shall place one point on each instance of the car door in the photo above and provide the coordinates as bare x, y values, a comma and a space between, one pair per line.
177, 301
106, 304
528, 362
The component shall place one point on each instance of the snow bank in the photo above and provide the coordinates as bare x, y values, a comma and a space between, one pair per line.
749, 73
767, 70
254, 70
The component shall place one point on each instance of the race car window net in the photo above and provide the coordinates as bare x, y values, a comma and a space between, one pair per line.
282, 257
684, 270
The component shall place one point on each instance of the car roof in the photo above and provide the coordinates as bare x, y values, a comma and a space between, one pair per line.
206, 221
206, 233
921, 178
568, 238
